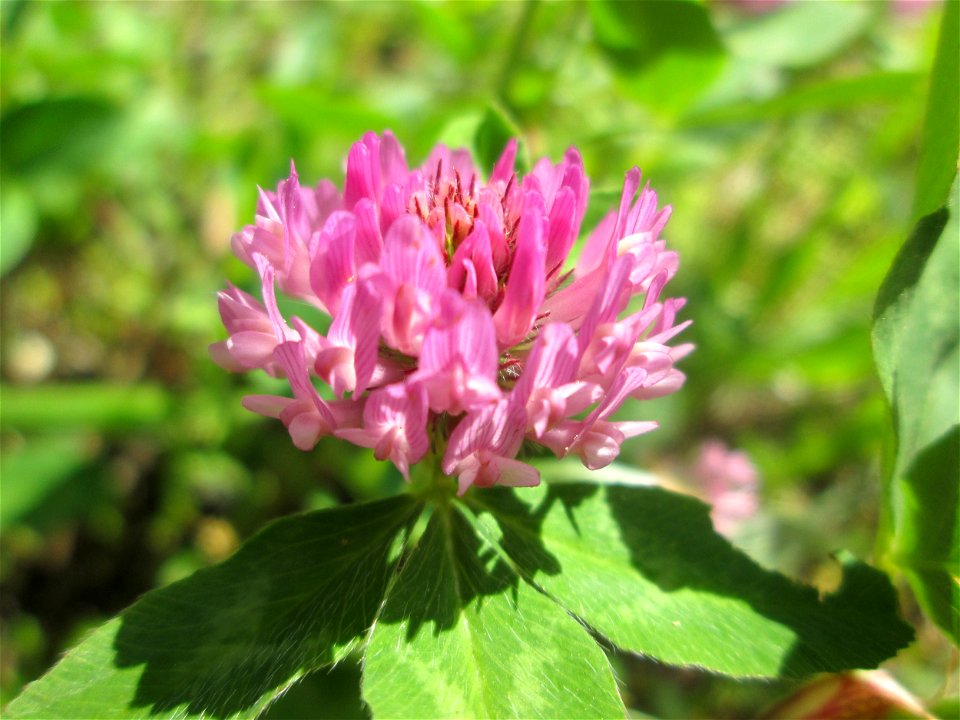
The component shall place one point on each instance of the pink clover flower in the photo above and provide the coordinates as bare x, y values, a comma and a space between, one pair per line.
456, 328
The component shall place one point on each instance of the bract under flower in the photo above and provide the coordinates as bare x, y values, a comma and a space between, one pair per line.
456, 328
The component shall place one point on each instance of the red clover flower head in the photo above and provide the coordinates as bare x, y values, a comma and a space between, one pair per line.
454, 327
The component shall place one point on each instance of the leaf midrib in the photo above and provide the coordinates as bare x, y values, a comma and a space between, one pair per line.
452, 559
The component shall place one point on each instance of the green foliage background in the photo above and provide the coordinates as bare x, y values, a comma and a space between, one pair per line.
132, 139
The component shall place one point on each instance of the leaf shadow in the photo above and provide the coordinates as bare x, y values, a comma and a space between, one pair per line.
228, 639
648, 517
647, 520
449, 569
521, 525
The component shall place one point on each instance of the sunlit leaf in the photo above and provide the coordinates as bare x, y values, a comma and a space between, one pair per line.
103, 406
462, 635
227, 641
644, 568
915, 337
940, 142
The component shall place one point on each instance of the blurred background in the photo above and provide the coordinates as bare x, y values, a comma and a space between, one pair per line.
132, 140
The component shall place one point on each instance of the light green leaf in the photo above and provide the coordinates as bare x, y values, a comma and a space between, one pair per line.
916, 336
830, 95
83, 406
644, 568
800, 34
940, 142
462, 636
18, 224
227, 641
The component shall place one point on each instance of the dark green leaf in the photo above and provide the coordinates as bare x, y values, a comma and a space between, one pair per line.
493, 133
644, 568
329, 694
61, 132
462, 635
227, 641
940, 142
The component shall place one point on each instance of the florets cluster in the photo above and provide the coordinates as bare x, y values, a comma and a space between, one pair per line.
455, 328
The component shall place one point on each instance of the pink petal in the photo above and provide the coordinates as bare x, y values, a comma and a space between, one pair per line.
475, 252
333, 265
458, 359
392, 206
560, 235
267, 405
251, 349
410, 255
551, 363
281, 330
630, 184
357, 328
575, 178
394, 420
497, 427
614, 296
393, 162
369, 242
526, 283
504, 167
594, 254
359, 181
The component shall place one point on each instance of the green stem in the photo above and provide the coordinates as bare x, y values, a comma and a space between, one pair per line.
512, 58
429, 483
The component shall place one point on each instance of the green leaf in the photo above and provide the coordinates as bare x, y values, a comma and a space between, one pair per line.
494, 131
916, 338
666, 53
940, 142
63, 132
18, 224
228, 640
886, 88
329, 694
644, 568
462, 635
800, 34
41, 481
83, 405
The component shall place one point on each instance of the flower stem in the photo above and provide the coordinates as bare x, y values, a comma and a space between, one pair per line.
428, 481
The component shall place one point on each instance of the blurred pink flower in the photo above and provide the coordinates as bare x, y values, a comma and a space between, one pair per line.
913, 7
858, 695
455, 328
757, 7
729, 480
